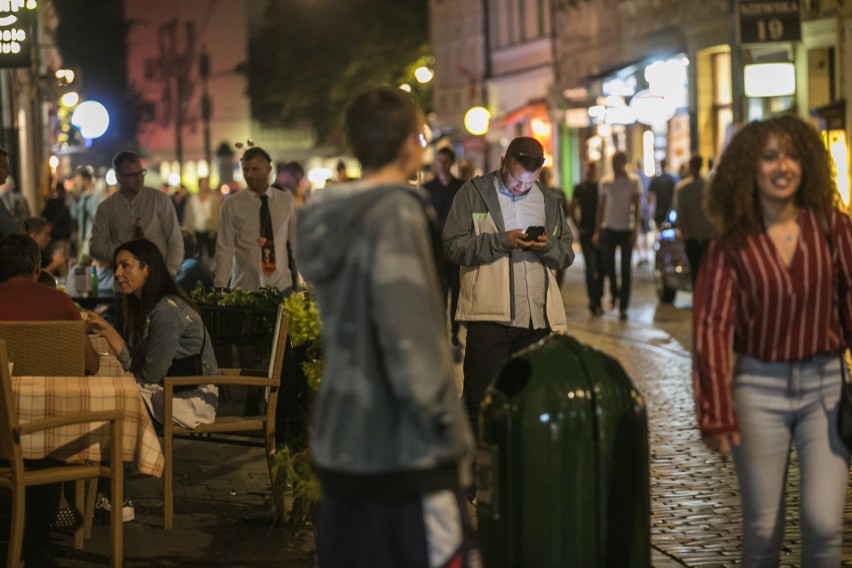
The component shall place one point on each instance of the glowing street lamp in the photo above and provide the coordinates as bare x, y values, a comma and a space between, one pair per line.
476, 120
92, 118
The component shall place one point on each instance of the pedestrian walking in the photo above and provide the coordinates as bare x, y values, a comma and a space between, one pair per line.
617, 226
583, 212
765, 296
692, 220
442, 190
390, 440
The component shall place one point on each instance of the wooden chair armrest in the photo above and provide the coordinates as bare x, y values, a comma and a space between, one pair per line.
66, 419
170, 382
230, 372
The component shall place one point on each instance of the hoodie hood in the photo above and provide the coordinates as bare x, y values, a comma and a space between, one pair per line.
330, 223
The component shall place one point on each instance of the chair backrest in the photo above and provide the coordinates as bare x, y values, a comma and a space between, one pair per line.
279, 344
9, 449
46, 347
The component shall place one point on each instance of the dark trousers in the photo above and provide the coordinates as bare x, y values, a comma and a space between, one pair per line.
610, 240
206, 243
357, 533
594, 271
694, 249
452, 290
489, 346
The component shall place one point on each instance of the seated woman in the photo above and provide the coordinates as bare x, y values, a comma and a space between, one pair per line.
162, 335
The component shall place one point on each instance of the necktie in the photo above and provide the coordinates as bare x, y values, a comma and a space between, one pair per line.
267, 238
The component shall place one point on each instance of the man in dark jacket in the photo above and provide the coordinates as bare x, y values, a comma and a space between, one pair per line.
442, 190
390, 439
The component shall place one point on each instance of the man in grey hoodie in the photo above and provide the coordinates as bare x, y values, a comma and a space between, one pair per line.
390, 439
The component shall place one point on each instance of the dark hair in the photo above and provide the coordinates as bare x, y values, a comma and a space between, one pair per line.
86, 172
3, 151
695, 163
158, 285
377, 123
19, 256
190, 244
733, 205
293, 168
35, 225
449, 152
124, 157
526, 151
256, 152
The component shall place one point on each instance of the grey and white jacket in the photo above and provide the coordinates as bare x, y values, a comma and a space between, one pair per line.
475, 238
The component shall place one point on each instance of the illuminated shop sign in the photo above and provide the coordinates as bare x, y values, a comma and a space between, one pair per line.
15, 32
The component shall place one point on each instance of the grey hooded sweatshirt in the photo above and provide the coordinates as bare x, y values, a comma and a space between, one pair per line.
388, 423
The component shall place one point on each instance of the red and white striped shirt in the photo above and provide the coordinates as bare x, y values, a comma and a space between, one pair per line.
748, 301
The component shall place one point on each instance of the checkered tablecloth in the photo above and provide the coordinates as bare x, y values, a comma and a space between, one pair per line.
110, 366
42, 397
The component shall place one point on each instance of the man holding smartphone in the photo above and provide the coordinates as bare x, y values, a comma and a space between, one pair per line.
509, 236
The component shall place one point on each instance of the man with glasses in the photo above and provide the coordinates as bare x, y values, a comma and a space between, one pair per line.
134, 212
509, 235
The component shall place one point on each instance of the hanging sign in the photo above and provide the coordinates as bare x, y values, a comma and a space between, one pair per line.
765, 21
15, 36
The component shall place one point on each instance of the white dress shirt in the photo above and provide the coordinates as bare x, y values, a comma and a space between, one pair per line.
237, 249
115, 222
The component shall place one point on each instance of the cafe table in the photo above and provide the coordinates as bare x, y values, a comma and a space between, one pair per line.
43, 397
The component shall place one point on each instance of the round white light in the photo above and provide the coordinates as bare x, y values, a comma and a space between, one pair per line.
174, 179
423, 74
53, 162
476, 120
69, 99
110, 177
92, 118
405, 87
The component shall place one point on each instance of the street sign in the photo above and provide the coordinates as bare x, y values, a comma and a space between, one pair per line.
765, 21
15, 34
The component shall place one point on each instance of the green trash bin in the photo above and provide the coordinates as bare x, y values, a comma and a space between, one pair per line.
562, 463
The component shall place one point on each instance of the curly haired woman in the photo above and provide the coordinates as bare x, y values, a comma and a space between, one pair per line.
766, 293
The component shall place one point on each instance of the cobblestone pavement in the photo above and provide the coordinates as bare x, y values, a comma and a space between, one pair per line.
222, 512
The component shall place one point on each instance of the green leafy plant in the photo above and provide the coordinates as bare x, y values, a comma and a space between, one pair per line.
305, 328
296, 487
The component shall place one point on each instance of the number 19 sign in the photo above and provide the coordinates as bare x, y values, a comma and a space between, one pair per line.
764, 21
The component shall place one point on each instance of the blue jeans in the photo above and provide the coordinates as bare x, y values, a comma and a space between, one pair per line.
776, 404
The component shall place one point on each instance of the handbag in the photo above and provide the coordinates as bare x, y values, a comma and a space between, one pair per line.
844, 407
189, 366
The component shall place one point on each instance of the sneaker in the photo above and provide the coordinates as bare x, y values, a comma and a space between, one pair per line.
128, 513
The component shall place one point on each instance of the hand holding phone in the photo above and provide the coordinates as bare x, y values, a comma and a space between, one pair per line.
534, 232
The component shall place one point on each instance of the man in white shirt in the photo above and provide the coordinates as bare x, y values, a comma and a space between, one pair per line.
251, 253
134, 212
617, 226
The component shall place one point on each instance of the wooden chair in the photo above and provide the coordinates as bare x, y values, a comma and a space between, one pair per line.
46, 348
16, 477
225, 424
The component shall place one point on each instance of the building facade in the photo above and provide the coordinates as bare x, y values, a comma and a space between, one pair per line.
183, 62
667, 79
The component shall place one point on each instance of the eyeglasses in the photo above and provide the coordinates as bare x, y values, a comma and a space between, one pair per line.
140, 173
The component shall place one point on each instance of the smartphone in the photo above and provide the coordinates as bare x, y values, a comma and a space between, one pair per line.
534, 232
